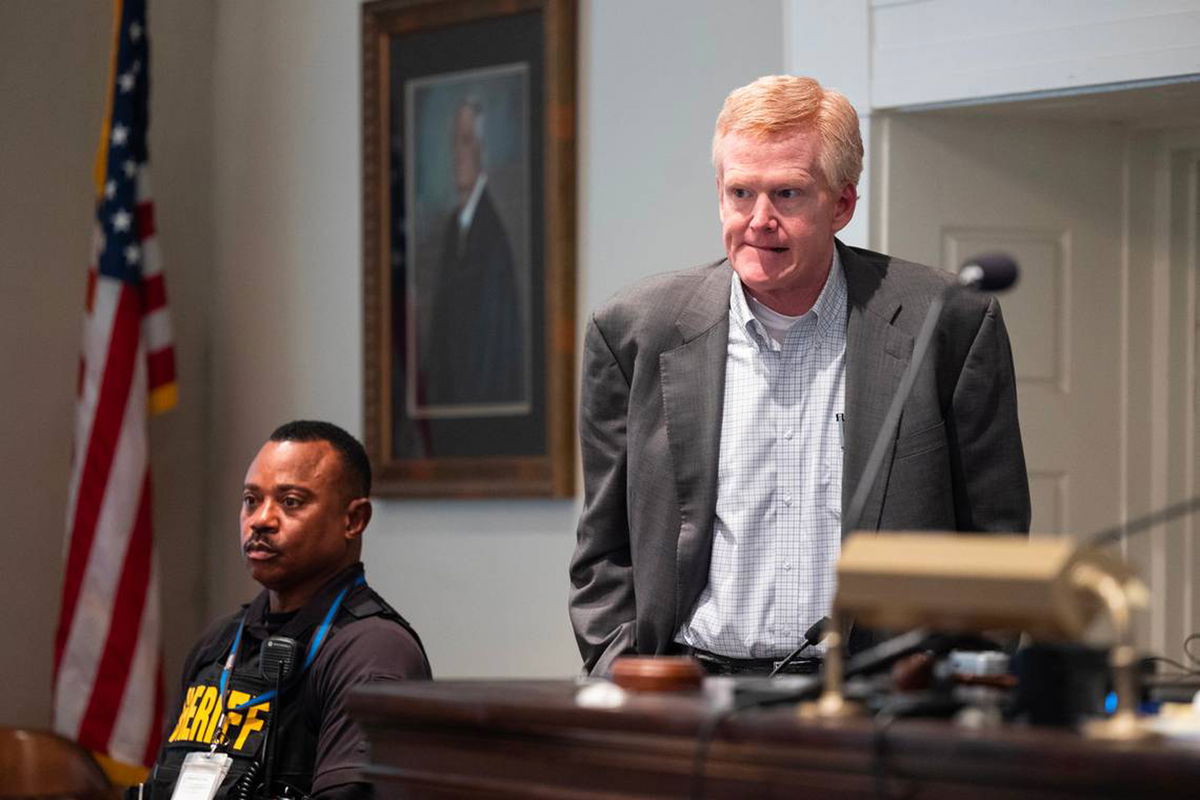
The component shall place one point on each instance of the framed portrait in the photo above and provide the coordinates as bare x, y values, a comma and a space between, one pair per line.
469, 246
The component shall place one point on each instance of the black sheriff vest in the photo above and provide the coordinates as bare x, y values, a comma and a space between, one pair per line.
292, 721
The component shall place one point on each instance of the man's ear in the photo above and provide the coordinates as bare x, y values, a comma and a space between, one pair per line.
358, 516
720, 198
844, 207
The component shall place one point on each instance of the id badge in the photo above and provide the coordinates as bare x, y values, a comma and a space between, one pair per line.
201, 775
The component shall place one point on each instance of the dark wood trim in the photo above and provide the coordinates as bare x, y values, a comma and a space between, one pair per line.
530, 739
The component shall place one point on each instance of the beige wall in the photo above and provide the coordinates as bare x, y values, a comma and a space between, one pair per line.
43, 249
53, 63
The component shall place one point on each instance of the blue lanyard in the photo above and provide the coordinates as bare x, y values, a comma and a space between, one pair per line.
317, 640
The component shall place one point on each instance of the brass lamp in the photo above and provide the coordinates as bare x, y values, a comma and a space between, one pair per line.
1048, 588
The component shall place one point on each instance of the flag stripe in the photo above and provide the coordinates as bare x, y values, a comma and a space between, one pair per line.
105, 564
154, 293
151, 260
161, 367
145, 219
97, 330
108, 687
128, 739
156, 328
105, 430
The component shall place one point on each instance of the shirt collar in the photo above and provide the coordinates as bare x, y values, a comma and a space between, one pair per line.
308, 615
467, 214
829, 309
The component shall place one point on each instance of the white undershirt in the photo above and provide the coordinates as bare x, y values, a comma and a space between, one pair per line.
777, 324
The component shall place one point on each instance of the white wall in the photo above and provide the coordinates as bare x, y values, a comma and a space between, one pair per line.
485, 582
831, 42
886, 54
936, 51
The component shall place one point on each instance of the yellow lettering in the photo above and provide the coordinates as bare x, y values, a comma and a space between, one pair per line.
233, 718
213, 718
203, 710
253, 723
185, 714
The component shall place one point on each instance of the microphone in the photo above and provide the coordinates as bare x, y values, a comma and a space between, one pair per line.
989, 272
276, 660
814, 634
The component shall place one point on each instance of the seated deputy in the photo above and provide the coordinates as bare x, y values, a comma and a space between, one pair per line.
315, 632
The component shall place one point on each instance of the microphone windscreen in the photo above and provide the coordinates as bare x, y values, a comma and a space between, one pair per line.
816, 631
989, 272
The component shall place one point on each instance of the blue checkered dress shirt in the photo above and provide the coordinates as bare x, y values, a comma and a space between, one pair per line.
777, 532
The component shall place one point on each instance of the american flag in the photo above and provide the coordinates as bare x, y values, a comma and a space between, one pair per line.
107, 658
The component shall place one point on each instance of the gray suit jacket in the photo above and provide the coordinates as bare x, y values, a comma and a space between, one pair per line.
650, 427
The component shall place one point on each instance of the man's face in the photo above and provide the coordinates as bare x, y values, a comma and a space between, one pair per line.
299, 526
778, 215
466, 152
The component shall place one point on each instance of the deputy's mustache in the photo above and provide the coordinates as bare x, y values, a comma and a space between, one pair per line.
258, 544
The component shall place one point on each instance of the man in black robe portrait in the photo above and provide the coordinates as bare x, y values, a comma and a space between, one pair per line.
475, 355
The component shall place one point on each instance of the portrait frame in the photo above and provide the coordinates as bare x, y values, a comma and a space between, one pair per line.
468, 124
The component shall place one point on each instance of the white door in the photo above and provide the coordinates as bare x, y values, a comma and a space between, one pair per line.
1104, 220
951, 186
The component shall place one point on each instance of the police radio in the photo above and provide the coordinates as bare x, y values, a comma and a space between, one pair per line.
277, 658
276, 661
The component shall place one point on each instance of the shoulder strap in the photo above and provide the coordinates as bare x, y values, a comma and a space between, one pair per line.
367, 603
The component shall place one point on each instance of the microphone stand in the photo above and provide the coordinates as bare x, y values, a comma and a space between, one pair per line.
832, 702
892, 420
1119, 531
990, 272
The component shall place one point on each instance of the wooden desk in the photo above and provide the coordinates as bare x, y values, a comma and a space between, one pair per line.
529, 739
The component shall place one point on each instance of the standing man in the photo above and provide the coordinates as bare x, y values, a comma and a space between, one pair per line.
305, 505
476, 352
727, 411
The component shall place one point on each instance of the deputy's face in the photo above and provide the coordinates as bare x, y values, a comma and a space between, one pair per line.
298, 526
778, 215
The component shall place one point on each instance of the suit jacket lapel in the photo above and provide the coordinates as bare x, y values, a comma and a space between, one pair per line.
876, 356
693, 387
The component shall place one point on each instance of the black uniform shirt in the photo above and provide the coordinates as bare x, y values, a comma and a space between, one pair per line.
357, 651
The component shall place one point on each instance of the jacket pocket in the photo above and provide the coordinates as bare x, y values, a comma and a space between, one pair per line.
922, 441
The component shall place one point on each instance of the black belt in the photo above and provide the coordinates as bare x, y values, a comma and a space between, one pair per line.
716, 664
